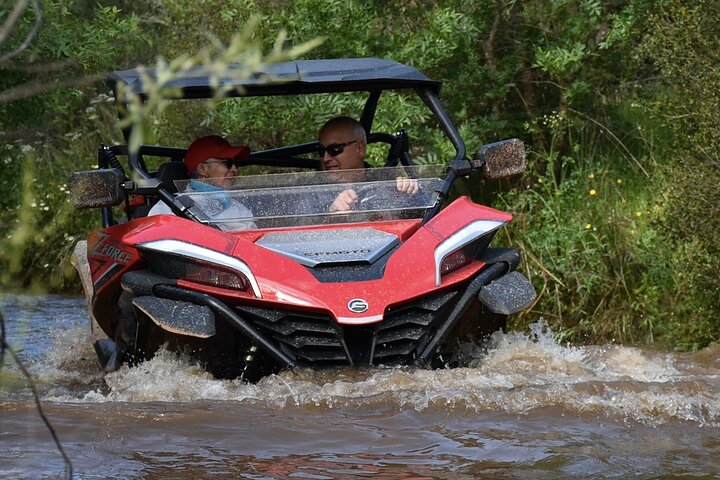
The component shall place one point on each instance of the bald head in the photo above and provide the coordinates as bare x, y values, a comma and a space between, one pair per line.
345, 124
343, 141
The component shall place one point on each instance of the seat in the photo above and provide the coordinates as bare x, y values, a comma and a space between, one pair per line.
168, 172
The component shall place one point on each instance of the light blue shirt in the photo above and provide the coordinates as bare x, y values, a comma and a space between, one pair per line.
219, 207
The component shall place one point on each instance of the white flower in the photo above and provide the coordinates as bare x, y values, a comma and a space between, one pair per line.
102, 98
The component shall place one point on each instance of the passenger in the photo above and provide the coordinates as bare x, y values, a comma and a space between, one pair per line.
211, 163
343, 145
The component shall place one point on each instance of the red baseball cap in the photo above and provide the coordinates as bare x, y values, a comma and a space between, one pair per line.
213, 146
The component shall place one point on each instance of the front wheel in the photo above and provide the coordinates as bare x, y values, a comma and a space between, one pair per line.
470, 338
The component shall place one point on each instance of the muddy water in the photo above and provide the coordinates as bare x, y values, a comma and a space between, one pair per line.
527, 407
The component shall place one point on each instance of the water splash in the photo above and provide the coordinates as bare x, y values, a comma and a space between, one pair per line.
515, 373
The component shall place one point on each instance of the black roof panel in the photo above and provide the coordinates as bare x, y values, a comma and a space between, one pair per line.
286, 78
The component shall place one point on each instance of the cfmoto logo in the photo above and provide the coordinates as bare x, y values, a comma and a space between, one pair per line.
357, 305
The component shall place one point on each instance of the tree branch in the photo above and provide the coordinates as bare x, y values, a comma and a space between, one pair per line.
9, 24
37, 87
488, 44
41, 69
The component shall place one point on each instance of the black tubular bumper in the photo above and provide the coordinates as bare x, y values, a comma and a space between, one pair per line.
146, 283
229, 315
499, 287
483, 278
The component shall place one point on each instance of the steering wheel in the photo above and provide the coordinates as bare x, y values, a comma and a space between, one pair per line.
364, 194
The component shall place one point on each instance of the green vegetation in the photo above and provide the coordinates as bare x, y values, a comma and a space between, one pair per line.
617, 101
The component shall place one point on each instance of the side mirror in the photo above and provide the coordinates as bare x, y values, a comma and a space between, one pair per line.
501, 159
96, 188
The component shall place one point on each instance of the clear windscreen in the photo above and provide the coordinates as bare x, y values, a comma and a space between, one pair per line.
309, 198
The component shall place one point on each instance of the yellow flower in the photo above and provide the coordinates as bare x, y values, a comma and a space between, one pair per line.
540, 180
592, 192
638, 214
591, 176
619, 181
588, 226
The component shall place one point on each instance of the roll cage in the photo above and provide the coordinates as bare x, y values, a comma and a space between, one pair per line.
374, 76
303, 77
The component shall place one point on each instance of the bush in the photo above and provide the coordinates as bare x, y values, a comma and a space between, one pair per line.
682, 45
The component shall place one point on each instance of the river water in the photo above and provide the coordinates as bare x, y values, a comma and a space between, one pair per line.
526, 408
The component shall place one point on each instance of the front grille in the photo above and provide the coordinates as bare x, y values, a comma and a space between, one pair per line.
311, 338
317, 340
407, 328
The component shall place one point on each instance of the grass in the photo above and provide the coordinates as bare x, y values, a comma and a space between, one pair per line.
604, 270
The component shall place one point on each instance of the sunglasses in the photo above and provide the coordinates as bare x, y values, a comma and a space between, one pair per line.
229, 162
334, 150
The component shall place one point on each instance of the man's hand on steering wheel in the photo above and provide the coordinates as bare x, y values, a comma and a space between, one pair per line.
407, 185
344, 201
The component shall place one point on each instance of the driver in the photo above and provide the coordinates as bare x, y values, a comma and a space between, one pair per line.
212, 162
342, 148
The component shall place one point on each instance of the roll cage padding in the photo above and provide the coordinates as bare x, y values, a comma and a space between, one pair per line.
107, 157
290, 156
399, 150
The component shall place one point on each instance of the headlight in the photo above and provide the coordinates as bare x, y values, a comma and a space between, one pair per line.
463, 246
176, 259
208, 274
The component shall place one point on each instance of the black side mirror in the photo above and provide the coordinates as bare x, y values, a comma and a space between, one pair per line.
501, 159
96, 188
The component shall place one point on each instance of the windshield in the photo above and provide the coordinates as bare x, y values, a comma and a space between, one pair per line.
309, 198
